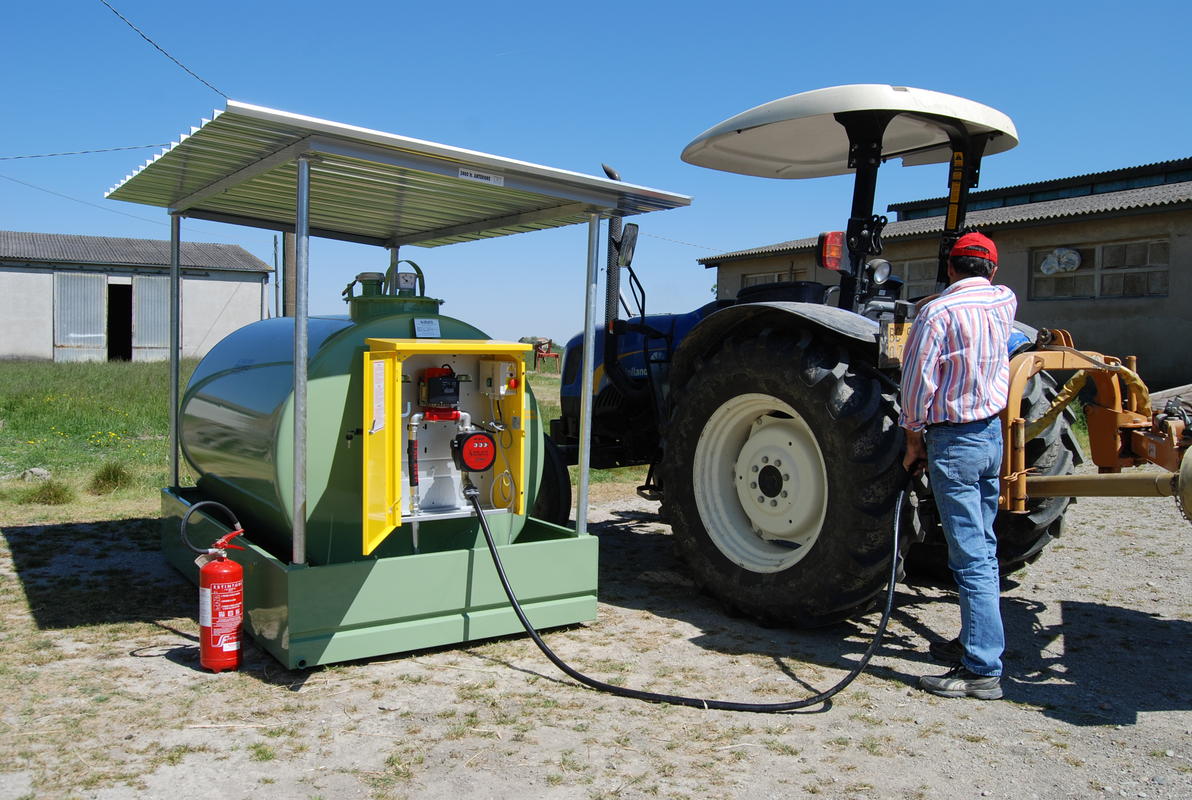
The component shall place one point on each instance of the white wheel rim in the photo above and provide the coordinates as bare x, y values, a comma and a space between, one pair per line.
760, 483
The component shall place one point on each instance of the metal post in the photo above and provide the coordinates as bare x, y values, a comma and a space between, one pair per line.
175, 339
589, 361
301, 266
276, 281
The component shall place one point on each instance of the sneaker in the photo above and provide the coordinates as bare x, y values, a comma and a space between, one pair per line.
959, 682
950, 652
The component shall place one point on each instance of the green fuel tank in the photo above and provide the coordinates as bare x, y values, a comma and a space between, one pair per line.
237, 432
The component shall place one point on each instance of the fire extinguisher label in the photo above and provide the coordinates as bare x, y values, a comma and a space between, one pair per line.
204, 607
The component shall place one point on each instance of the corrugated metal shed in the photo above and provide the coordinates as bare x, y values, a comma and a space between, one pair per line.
67, 249
1176, 194
368, 186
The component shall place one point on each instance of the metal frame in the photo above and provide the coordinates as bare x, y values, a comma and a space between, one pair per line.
573, 198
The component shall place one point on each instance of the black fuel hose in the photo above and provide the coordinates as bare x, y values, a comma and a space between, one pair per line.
473, 494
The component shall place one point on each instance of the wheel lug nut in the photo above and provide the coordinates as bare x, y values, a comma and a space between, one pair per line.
754, 468
773, 502
778, 462
783, 493
765, 459
786, 476
761, 499
753, 484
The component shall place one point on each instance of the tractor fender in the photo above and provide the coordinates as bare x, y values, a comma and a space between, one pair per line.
751, 317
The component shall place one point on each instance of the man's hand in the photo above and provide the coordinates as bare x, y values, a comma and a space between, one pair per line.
915, 460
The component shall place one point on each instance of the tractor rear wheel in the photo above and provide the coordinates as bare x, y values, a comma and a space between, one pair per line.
1020, 537
781, 469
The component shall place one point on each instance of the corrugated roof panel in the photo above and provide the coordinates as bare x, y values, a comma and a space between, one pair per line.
68, 249
368, 185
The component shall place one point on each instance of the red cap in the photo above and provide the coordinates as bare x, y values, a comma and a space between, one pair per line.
977, 245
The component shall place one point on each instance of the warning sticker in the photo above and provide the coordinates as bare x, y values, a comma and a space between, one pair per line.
204, 607
379, 396
426, 328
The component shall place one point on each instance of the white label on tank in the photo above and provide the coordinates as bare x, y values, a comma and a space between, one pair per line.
378, 396
426, 329
204, 607
481, 177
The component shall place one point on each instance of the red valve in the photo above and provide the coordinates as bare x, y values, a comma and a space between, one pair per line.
224, 542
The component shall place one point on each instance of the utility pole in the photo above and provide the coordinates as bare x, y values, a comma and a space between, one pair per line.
289, 258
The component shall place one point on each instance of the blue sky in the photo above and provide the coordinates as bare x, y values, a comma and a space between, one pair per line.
1091, 86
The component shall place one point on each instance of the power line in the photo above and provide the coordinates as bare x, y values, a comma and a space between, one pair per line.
84, 152
162, 50
677, 241
84, 202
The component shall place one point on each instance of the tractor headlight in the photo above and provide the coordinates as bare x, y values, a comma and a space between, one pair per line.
879, 271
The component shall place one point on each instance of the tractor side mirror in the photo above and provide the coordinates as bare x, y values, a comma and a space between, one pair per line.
627, 244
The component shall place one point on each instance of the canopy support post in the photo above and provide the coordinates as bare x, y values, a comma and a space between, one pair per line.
589, 362
301, 307
175, 341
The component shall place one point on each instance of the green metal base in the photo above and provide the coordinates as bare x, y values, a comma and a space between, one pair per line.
306, 616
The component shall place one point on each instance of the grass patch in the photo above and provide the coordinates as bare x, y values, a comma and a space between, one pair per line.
259, 751
108, 478
100, 428
67, 417
48, 493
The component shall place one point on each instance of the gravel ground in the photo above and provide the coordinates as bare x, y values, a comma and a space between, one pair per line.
104, 703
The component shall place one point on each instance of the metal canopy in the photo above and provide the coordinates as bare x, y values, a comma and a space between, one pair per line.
799, 136
255, 166
367, 186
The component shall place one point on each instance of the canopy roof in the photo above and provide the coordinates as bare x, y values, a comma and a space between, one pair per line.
367, 186
799, 137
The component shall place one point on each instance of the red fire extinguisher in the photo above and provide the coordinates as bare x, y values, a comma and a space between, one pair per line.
221, 597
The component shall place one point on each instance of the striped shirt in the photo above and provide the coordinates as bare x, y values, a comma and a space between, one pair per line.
956, 366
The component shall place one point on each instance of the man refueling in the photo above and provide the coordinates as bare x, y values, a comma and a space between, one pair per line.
954, 382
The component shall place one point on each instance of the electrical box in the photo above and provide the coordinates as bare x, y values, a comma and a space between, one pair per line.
498, 378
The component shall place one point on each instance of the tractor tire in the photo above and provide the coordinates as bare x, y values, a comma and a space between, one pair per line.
781, 468
553, 501
1020, 537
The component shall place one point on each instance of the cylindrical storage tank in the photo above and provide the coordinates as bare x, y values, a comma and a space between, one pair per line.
237, 433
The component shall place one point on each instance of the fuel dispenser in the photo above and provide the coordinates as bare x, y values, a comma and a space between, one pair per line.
411, 415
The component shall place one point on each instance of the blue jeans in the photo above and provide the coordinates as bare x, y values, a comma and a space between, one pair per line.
963, 463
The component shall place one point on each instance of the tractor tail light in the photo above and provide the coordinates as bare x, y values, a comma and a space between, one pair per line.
829, 252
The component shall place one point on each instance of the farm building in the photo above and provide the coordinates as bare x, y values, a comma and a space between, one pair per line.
1107, 256
96, 298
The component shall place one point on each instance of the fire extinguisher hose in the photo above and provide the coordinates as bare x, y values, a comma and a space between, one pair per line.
473, 494
236, 526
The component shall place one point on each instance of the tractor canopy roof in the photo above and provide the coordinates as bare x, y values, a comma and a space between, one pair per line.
800, 137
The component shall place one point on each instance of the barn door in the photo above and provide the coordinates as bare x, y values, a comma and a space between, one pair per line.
80, 316
150, 318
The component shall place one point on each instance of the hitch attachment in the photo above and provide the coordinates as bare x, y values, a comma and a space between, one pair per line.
1123, 430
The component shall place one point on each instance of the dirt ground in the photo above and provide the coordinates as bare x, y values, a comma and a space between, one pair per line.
102, 696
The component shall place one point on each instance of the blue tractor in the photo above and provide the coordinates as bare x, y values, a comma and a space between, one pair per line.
769, 421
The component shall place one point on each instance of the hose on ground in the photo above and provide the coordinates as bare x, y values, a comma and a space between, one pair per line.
472, 494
